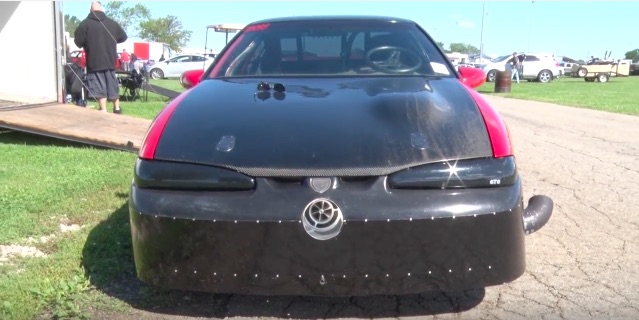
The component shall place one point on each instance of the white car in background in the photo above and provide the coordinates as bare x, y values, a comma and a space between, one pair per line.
540, 67
174, 67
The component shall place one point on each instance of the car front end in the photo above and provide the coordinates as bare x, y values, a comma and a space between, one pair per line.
370, 176
309, 228
380, 235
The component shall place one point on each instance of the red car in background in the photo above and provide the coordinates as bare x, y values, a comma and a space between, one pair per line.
79, 57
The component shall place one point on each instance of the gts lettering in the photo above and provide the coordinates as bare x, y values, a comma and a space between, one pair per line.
495, 181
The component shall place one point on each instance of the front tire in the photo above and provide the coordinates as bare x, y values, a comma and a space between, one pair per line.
544, 76
491, 75
157, 74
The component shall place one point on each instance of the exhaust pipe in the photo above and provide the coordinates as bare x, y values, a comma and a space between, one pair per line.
537, 213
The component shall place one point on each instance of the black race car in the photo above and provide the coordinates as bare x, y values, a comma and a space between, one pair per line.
336, 156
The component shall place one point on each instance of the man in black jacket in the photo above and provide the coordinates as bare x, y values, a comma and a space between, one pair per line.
98, 35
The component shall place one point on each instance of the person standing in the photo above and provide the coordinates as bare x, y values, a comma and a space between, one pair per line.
516, 67
126, 60
99, 35
136, 64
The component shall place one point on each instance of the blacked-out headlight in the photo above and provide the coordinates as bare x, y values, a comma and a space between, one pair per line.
154, 174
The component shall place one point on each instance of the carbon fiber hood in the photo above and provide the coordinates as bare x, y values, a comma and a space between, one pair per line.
325, 127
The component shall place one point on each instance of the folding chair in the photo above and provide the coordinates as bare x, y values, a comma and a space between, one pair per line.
132, 85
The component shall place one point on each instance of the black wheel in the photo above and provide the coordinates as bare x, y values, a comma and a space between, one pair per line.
157, 74
603, 77
491, 75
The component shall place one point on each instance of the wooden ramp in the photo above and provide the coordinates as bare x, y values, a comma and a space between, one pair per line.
73, 123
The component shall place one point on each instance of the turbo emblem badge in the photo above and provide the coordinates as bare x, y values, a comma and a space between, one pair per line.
322, 219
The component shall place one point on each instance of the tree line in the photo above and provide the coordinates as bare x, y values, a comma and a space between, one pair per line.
459, 47
633, 55
137, 21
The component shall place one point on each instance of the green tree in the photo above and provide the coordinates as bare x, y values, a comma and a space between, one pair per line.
441, 45
167, 30
633, 55
129, 18
71, 23
463, 48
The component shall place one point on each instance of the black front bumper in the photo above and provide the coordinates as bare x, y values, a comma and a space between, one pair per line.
392, 241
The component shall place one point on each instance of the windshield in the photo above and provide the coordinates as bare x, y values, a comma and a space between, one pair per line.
331, 48
503, 58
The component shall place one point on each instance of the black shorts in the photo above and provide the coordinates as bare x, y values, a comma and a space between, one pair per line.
103, 84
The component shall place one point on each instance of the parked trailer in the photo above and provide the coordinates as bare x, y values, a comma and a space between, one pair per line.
603, 72
147, 50
36, 30
32, 88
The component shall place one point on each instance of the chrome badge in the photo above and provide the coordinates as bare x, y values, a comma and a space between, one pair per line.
320, 185
322, 219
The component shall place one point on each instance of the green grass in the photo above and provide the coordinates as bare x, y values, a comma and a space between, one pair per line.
46, 182
619, 95
140, 108
43, 184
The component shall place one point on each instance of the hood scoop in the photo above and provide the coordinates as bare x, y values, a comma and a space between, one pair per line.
264, 91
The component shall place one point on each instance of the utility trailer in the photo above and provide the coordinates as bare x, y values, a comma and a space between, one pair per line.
603, 72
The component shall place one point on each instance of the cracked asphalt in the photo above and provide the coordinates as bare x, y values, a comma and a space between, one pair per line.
584, 264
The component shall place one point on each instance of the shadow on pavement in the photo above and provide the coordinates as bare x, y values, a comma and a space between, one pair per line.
108, 260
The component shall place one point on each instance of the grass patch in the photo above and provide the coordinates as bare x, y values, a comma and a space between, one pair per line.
149, 109
619, 95
47, 185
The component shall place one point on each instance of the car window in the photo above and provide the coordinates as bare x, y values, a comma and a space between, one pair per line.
530, 58
288, 47
503, 58
322, 46
331, 48
181, 59
197, 58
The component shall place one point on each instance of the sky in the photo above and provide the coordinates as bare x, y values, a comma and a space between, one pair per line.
576, 29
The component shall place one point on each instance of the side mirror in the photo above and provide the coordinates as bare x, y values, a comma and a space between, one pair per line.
191, 78
472, 77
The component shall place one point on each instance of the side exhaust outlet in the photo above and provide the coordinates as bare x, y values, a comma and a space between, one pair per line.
537, 213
